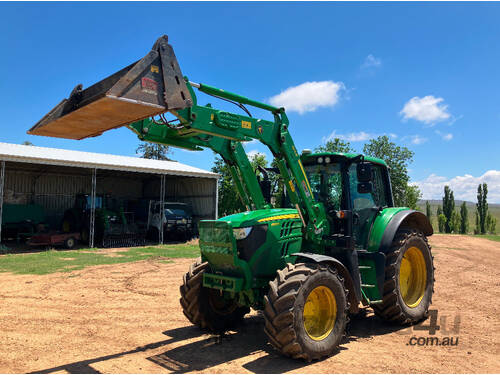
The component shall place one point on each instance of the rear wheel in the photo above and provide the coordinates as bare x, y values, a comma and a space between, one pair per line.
409, 279
69, 223
206, 307
84, 235
66, 226
306, 311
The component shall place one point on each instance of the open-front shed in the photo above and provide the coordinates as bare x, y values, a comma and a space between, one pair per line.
41, 184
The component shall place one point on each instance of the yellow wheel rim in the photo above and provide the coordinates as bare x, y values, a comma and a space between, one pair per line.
66, 226
412, 277
320, 313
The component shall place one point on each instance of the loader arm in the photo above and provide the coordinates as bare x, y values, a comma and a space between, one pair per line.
223, 132
233, 154
155, 85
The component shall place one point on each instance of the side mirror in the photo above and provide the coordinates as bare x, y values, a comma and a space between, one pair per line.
265, 186
364, 172
365, 187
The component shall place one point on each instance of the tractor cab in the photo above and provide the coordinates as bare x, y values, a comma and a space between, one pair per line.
353, 188
84, 202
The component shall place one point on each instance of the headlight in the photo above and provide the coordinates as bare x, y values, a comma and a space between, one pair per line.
241, 233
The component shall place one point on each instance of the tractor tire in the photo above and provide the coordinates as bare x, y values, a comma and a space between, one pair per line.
205, 307
305, 311
69, 223
409, 279
85, 236
66, 226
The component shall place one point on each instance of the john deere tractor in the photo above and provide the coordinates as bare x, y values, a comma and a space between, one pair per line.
342, 242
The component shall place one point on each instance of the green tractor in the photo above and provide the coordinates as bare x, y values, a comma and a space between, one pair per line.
341, 243
112, 227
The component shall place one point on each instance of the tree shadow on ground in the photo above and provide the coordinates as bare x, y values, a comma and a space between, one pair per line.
84, 366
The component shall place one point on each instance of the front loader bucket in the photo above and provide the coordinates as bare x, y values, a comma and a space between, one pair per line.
143, 89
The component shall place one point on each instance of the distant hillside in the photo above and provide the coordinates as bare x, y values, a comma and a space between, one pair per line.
494, 209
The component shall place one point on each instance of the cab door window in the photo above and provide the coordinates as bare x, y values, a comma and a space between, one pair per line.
379, 187
365, 205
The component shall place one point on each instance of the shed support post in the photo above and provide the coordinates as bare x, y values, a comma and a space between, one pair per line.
216, 199
162, 209
92, 208
2, 184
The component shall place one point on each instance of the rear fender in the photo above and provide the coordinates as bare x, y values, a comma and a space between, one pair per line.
341, 269
389, 221
408, 219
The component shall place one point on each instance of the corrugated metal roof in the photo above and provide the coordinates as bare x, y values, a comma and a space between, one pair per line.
56, 156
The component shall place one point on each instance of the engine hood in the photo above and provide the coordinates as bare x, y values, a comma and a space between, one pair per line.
257, 217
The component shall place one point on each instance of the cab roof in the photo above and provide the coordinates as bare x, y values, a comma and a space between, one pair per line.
341, 155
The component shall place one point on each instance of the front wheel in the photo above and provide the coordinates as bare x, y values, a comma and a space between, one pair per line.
306, 311
206, 307
409, 279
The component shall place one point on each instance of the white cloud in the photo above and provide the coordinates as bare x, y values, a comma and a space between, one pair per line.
253, 153
308, 96
355, 137
464, 187
455, 119
371, 62
445, 136
415, 139
427, 109
448, 137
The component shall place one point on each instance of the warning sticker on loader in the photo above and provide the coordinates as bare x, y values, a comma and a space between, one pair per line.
149, 85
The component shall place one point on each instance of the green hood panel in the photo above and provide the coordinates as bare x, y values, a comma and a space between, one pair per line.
267, 247
251, 218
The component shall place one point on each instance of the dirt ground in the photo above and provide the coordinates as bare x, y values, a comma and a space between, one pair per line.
126, 318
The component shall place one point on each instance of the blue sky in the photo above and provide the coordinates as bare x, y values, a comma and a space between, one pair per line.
428, 74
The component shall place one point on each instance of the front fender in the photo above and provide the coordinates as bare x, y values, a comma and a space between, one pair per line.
343, 272
390, 220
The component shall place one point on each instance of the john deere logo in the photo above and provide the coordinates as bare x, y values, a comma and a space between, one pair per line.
259, 129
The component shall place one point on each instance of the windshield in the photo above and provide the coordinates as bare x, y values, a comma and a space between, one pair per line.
98, 201
175, 212
326, 183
